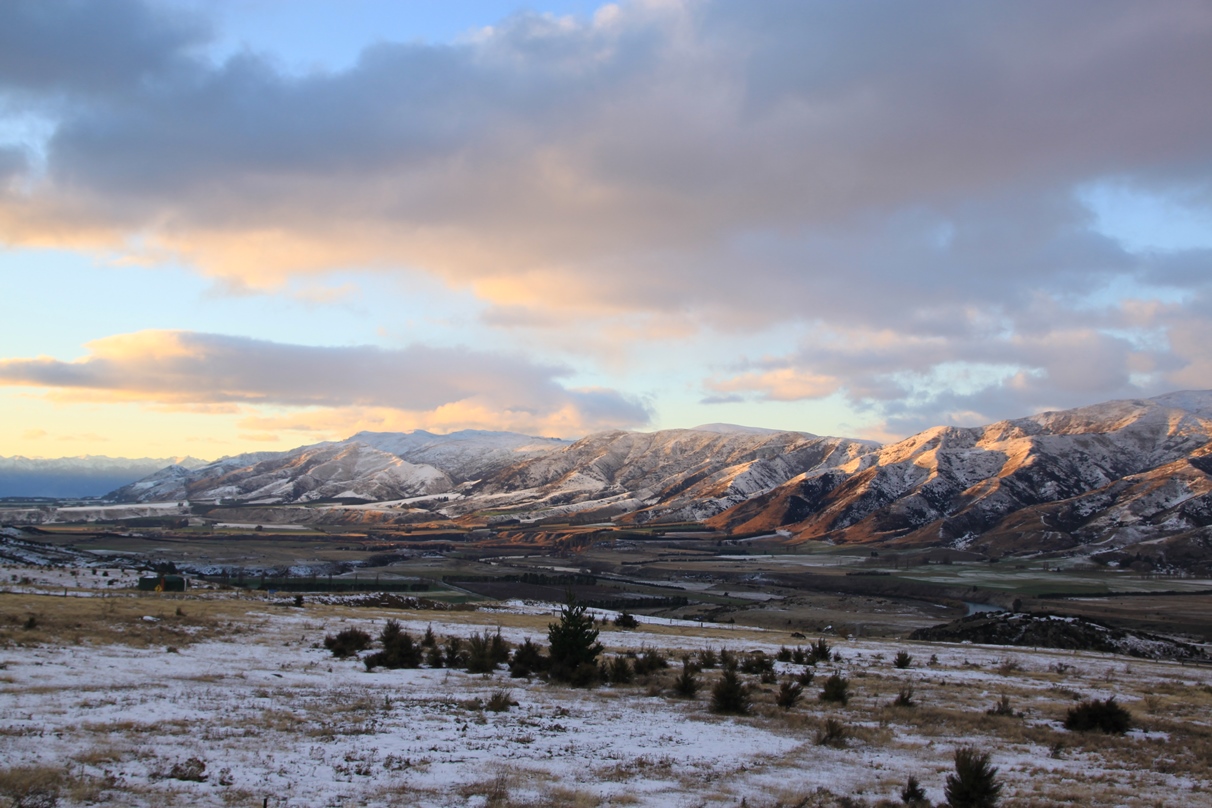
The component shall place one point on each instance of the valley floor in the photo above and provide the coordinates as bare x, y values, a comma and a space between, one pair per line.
214, 699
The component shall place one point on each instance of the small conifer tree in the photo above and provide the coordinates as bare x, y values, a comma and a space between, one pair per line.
527, 659
974, 784
902, 660
836, 689
574, 641
619, 671
913, 794
789, 695
686, 684
730, 694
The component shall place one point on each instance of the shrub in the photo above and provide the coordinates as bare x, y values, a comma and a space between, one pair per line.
347, 642
806, 676
429, 640
798, 656
1002, 707
527, 659
832, 733
30, 623
626, 620
755, 663
784, 654
708, 659
727, 659
399, 649
687, 683
819, 651
905, 697
485, 651
433, 656
499, 702
456, 657
902, 660
974, 784
498, 649
913, 794
1106, 716
584, 675
619, 671
650, 661
574, 642
836, 689
789, 695
730, 694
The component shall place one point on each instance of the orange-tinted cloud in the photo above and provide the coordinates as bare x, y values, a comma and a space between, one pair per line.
215, 373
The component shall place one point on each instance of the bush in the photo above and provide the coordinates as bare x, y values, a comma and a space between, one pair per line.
819, 651
1106, 716
798, 656
905, 697
687, 683
650, 661
806, 676
784, 654
574, 643
832, 733
837, 689
619, 671
913, 794
456, 657
433, 656
789, 695
584, 675
399, 649
756, 663
485, 651
527, 659
347, 642
429, 640
730, 694
708, 659
1002, 707
902, 660
626, 620
974, 784
727, 659
499, 702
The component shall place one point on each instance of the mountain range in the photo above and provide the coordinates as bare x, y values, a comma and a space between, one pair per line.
1124, 480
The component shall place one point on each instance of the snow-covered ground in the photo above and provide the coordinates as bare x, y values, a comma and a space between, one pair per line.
272, 715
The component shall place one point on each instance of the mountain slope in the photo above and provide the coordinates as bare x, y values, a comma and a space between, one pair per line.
670, 475
951, 485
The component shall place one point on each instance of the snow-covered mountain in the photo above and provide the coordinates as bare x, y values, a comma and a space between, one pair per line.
671, 475
1115, 473
1112, 477
350, 471
85, 476
466, 455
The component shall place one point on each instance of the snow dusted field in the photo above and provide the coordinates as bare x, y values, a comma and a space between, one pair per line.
211, 699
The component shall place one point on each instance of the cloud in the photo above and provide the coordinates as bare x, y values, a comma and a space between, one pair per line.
212, 372
898, 174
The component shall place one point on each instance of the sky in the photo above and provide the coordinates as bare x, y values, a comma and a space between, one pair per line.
240, 225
